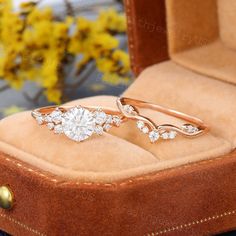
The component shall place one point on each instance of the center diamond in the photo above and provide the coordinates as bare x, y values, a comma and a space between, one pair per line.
78, 124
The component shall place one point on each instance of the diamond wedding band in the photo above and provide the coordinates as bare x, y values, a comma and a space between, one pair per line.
78, 123
192, 127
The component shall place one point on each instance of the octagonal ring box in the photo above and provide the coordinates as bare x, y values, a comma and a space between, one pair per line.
119, 183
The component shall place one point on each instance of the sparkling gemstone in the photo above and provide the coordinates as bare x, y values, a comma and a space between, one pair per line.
98, 130
107, 127
58, 129
100, 117
48, 118
145, 129
154, 136
56, 116
40, 120
117, 120
140, 124
109, 119
50, 126
129, 109
169, 135
172, 134
190, 128
165, 135
78, 123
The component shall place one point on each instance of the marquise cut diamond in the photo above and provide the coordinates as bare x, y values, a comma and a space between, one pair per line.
109, 119
128, 108
40, 120
100, 117
98, 130
190, 128
107, 127
116, 120
56, 116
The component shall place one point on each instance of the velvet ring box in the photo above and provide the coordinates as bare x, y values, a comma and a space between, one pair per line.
119, 183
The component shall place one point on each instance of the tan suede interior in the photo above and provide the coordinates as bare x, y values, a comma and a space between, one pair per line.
196, 44
202, 36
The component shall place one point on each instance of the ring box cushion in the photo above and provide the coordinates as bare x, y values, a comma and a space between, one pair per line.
201, 38
192, 81
125, 152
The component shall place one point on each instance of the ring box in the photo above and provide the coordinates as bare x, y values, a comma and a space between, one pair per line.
120, 184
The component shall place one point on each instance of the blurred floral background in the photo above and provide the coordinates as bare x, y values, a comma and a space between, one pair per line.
53, 51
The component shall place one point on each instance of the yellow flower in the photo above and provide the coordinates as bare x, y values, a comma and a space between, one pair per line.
84, 24
111, 20
100, 44
50, 66
35, 46
27, 7
53, 95
105, 65
75, 46
38, 15
122, 58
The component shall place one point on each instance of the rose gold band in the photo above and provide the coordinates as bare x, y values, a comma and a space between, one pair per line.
191, 128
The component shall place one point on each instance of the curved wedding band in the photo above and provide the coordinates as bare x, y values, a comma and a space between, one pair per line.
79, 122
192, 128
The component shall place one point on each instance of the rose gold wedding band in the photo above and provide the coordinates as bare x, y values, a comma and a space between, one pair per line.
192, 126
78, 122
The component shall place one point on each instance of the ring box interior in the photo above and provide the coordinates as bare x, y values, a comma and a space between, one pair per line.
184, 53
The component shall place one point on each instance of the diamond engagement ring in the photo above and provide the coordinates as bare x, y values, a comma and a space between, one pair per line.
192, 128
78, 123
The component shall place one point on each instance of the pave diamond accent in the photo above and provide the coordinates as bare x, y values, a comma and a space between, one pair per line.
48, 118
56, 116
140, 124
172, 134
78, 124
99, 130
128, 108
40, 120
109, 119
169, 135
191, 129
145, 129
116, 120
100, 117
50, 126
107, 127
58, 129
154, 136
